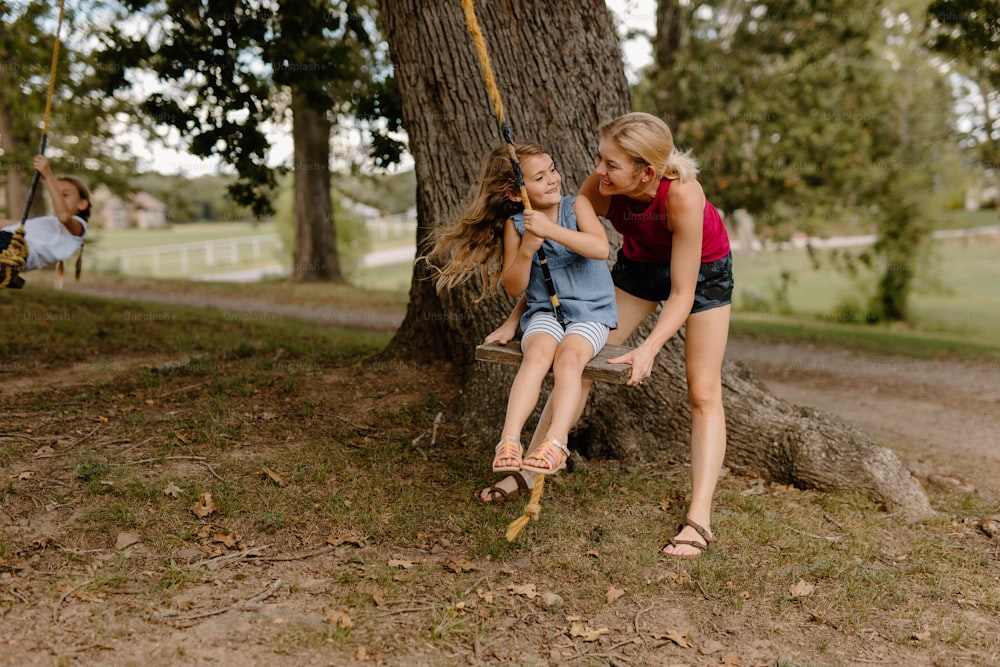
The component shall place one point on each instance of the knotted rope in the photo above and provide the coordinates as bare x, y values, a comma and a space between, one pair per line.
531, 510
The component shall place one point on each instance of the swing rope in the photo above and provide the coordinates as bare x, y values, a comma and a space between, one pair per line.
14, 257
508, 135
533, 508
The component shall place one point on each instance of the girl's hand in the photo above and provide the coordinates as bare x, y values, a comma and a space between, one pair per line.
42, 166
538, 224
641, 359
503, 334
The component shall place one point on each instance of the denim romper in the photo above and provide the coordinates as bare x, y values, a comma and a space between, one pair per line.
584, 286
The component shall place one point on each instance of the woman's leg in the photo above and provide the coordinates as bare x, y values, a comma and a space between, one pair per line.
705, 347
632, 311
538, 351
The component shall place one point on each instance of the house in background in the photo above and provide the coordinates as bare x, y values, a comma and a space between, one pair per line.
140, 210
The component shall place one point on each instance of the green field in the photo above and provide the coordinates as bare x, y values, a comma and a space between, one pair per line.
955, 292
129, 239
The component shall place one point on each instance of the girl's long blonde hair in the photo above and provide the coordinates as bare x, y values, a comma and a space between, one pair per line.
648, 140
474, 243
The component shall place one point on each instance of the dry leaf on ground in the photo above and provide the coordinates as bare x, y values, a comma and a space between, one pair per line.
125, 540
682, 639
354, 538
173, 490
801, 589
614, 594
204, 506
586, 633
527, 590
340, 618
399, 562
460, 565
274, 477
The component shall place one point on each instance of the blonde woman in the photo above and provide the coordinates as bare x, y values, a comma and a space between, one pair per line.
497, 238
676, 253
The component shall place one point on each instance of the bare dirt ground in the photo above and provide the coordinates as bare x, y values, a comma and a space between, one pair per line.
944, 414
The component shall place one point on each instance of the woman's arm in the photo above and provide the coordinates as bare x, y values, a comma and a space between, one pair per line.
59, 207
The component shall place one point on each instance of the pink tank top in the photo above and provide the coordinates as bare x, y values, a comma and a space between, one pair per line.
646, 237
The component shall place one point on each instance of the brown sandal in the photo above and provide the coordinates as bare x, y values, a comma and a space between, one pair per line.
522, 490
700, 546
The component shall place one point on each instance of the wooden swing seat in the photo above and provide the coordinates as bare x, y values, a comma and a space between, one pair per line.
597, 369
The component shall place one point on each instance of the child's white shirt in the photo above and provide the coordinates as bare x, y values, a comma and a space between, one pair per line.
48, 240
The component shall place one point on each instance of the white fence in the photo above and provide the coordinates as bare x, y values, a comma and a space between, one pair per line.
183, 259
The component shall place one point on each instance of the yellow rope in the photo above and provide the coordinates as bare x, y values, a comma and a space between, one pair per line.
469, 7
531, 510
52, 71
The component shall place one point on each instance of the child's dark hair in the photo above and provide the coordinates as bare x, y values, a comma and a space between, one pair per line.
84, 192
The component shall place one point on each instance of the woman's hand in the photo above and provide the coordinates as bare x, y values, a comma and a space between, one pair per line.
641, 360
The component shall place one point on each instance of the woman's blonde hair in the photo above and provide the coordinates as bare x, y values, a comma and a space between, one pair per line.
474, 244
648, 141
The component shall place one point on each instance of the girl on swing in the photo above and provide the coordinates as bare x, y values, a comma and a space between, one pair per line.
53, 238
497, 228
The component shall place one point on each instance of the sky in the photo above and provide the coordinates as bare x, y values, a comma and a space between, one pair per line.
633, 14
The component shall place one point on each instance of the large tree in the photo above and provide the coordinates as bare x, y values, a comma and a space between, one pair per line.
560, 72
233, 69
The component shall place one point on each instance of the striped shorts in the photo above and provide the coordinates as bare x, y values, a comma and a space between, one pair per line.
595, 332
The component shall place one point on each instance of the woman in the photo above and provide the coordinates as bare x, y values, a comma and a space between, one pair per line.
675, 251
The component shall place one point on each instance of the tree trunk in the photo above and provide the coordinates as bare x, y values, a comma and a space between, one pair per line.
18, 176
315, 257
560, 73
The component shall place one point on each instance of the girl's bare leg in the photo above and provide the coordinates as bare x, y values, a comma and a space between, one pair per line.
538, 352
632, 311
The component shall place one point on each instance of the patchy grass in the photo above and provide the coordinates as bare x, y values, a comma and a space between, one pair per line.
342, 532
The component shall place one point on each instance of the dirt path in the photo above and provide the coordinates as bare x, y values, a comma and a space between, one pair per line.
941, 413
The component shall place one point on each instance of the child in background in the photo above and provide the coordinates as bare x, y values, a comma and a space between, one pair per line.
53, 238
497, 228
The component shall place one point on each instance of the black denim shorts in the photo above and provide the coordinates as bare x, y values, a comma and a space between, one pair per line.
651, 281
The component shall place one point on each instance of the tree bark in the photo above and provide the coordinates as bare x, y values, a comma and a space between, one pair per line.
315, 257
18, 176
560, 73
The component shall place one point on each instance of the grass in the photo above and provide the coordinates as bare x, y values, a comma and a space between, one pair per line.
130, 239
398, 546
